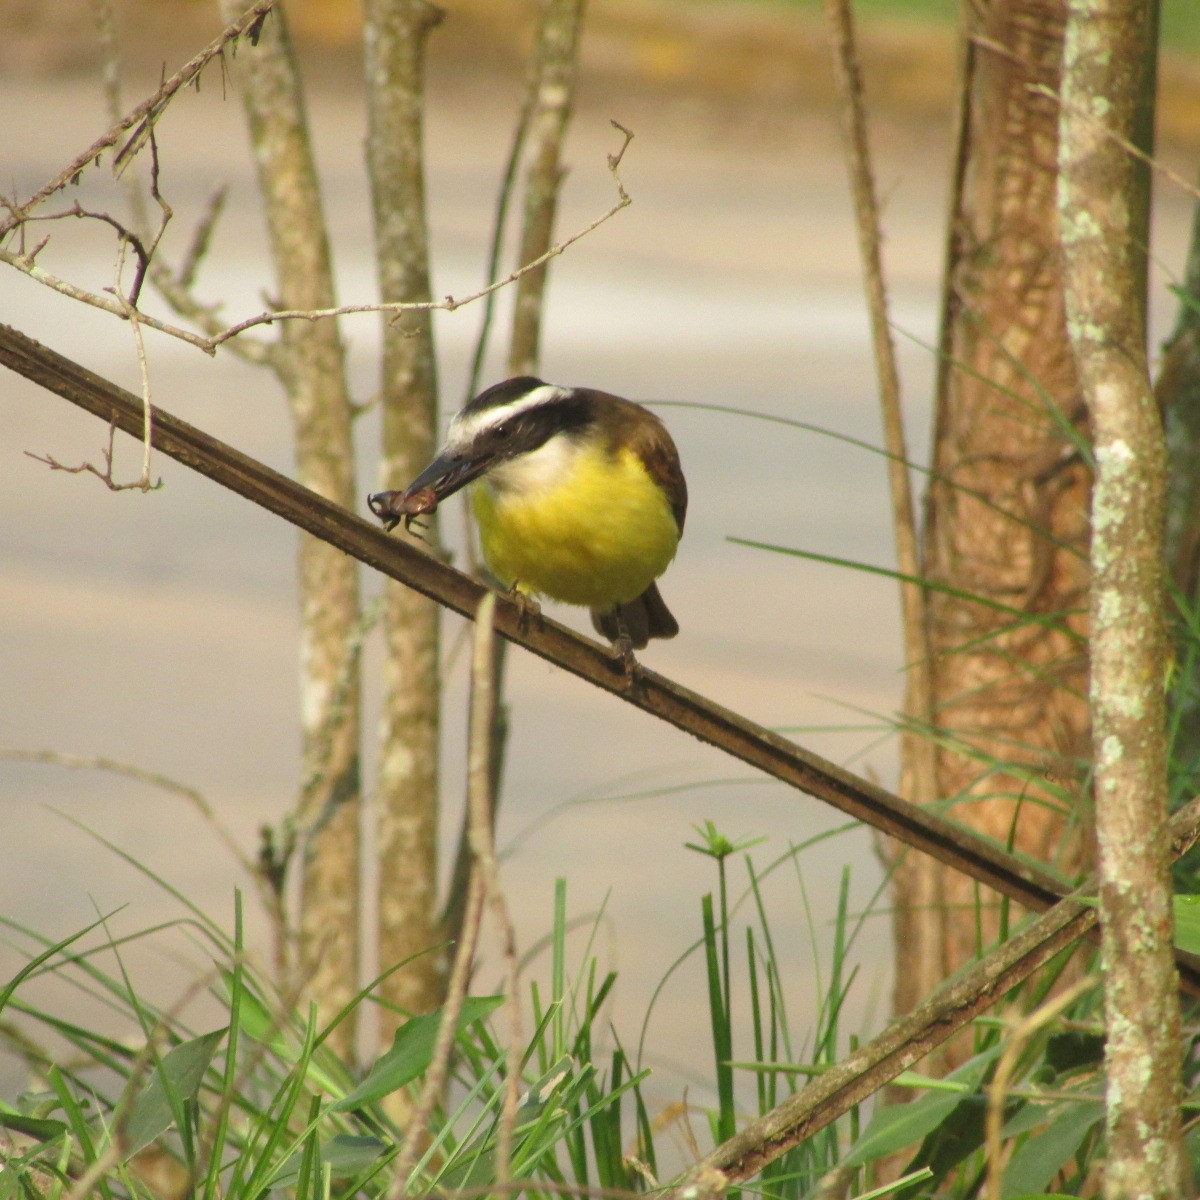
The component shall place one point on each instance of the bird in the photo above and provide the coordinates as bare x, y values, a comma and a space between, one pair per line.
579, 497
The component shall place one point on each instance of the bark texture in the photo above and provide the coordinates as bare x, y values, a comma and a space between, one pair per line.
395, 36
1177, 390
310, 362
1006, 511
557, 61
1103, 208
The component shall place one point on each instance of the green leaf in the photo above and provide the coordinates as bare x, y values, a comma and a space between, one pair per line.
255, 1019
1023, 617
40, 1128
898, 1125
1028, 1117
412, 1051
1187, 923
34, 963
1042, 1155
177, 1079
346, 1153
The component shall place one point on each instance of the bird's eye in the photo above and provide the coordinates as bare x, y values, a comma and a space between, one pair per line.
503, 429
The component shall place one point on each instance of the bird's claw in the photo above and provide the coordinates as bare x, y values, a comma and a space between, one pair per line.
529, 611
622, 653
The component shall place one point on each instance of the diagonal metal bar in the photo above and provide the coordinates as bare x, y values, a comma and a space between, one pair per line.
946, 840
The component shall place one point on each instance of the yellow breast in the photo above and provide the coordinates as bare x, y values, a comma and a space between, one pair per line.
596, 530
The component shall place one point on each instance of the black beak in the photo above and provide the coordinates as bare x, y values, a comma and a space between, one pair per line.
449, 472
443, 477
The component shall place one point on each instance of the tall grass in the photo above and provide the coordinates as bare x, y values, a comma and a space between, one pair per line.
254, 1103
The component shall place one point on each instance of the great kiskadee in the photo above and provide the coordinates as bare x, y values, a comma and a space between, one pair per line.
580, 498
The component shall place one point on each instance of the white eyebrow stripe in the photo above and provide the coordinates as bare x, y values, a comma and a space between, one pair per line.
466, 427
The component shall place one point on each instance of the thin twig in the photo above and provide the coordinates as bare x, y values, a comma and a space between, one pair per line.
90, 762
108, 303
147, 111
479, 802
185, 273
919, 774
508, 179
480, 806
449, 303
25, 262
147, 408
1155, 164
557, 60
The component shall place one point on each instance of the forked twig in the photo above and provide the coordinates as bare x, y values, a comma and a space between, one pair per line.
105, 474
116, 305
142, 116
449, 303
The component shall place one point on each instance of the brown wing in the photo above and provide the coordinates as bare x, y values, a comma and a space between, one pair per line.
638, 428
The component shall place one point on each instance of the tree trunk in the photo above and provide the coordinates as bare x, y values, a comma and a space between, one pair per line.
1108, 88
1177, 390
310, 362
557, 63
395, 34
1006, 512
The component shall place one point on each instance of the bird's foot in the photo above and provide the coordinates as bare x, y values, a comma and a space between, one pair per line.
529, 611
622, 654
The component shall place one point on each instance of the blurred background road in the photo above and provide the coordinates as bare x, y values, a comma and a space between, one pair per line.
160, 630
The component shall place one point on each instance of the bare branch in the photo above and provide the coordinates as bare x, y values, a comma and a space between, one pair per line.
104, 474
309, 361
449, 303
185, 273
143, 116
108, 302
395, 35
1150, 160
915, 885
219, 335
481, 806
483, 701
194, 797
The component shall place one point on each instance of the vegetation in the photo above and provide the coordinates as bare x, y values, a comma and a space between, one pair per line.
1053, 633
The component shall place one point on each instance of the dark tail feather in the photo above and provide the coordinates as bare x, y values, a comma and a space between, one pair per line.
644, 618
